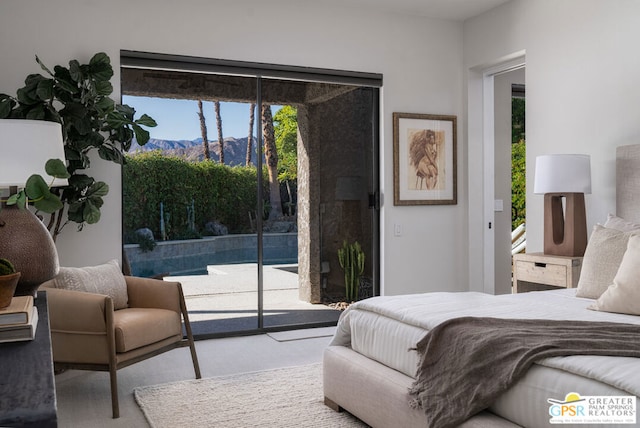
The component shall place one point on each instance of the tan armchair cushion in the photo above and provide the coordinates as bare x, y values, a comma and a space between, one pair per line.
137, 327
104, 279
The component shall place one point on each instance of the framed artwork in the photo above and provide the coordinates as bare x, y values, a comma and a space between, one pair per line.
424, 159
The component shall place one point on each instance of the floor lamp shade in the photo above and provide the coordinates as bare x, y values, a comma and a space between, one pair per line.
563, 180
25, 147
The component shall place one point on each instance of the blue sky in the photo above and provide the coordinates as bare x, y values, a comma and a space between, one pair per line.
178, 119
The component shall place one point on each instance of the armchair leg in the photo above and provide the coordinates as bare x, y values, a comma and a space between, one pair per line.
187, 326
194, 356
192, 345
115, 406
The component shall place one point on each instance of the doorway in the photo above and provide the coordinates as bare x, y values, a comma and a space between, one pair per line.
507, 86
331, 201
481, 146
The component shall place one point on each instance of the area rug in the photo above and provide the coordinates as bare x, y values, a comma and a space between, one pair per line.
288, 397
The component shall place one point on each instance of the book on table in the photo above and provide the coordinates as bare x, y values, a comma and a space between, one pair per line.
18, 311
20, 331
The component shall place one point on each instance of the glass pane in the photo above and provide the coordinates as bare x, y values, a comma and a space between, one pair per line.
251, 258
192, 219
348, 224
316, 195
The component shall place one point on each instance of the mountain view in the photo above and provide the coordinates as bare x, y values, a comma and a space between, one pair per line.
235, 149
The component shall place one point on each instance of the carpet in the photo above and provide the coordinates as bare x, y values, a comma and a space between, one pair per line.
287, 397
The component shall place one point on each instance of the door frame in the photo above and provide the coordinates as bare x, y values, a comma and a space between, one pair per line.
481, 145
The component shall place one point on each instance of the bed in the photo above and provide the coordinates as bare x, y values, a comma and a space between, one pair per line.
371, 362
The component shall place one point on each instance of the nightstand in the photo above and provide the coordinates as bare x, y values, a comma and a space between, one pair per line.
543, 272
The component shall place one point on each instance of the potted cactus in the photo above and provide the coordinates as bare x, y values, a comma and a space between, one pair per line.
8, 281
351, 258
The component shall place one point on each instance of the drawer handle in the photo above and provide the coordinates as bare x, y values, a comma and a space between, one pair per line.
541, 265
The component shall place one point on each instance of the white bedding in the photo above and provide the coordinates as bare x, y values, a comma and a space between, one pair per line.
385, 328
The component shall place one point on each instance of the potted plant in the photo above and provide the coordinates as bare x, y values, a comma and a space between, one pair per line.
23, 235
78, 97
37, 191
351, 258
8, 281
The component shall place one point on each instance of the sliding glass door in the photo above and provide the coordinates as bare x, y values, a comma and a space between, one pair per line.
267, 214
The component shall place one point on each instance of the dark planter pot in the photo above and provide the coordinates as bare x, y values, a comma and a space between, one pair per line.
365, 288
25, 241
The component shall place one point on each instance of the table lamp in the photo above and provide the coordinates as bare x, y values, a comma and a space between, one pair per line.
564, 179
26, 145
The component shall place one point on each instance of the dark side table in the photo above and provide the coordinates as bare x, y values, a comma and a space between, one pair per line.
27, 386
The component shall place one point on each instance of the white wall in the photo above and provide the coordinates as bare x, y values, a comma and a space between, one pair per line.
582, 92
420, 59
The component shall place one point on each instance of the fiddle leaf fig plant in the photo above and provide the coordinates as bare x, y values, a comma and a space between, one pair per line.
37, 191
78, 97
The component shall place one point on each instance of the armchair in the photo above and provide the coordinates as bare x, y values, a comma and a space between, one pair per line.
87, 333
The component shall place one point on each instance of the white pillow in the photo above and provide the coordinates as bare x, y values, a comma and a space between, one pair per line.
601, 261
618, 223
103, 279
623, 296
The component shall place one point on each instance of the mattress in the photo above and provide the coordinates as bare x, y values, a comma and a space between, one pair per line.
385, 329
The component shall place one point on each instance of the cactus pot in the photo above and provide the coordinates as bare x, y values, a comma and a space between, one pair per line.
8, 285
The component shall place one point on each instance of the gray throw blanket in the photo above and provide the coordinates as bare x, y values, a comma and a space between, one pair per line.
466, 363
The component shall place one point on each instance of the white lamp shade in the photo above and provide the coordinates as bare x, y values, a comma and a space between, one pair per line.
562, 174
25, 147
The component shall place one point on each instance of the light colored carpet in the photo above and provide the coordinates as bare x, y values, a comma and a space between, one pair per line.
307, 333
288, 397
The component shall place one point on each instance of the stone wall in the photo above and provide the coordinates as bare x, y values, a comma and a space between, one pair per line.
345, 178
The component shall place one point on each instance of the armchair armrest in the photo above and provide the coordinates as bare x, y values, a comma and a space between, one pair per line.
154, 293
78, 312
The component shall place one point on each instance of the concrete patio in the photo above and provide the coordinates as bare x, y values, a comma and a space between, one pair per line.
226, 299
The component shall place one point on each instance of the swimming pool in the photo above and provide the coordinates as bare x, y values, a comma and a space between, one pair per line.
191, 257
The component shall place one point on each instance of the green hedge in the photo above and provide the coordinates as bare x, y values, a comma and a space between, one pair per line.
518, 184
219, 193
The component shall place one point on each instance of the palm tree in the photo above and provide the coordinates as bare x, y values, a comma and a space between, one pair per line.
216, 105
271, 157
203, 129
252, 116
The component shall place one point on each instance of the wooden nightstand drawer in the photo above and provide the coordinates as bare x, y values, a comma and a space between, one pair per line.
545, 270
542, 273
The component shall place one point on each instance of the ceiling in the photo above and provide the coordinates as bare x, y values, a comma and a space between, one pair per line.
456, 10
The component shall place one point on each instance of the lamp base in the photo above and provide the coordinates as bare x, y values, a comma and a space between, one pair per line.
27, 244
565, 235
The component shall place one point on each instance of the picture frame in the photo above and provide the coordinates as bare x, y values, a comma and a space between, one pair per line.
424, 159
